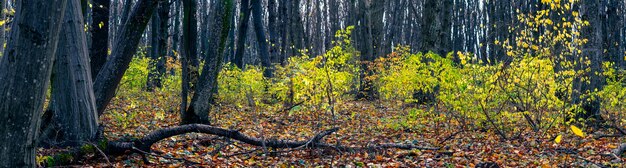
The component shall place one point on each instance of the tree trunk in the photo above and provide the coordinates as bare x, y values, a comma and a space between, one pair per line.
25, 71
198, 111
242, 30
127, 8
125, 47
188, 55
298, 40
158, 46
257, 11
73, 113
175, 35
99, 35
3, 16
436, 26
372, 47
593, 53
273, 28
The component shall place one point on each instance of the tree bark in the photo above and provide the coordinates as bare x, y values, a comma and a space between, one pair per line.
73, 113
188, 55
3, 16
373, 43
158, 46
273, 29
436, 26
593, 52
25, 71
259, 29
198, 111
125, 47
99, 35
241, 35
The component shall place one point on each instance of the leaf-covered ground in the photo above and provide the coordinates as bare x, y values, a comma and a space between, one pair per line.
360, 122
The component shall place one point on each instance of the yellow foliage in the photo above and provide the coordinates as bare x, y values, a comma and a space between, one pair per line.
577, 131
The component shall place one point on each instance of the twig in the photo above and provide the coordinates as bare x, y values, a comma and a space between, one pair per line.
218, 149
242, 153
451, 136
572, 152
101, 153
166, 157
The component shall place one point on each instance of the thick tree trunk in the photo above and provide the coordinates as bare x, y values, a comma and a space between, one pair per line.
73, 113
593, 52
25, 71
198, 111
125, 47
241, 35
99, 35
259, 30
372, 46
436, 26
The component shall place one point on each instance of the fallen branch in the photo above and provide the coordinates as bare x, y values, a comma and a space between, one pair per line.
163, 156
575, 154
620, 150
144, 144
341, 148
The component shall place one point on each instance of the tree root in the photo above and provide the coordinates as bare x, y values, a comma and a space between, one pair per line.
144, 144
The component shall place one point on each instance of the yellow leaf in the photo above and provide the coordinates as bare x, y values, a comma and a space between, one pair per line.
577, 131
558, 139
101, 24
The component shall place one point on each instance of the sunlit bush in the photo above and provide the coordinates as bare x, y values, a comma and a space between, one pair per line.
236, 86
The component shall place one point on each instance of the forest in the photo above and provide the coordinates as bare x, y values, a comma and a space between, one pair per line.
312, 83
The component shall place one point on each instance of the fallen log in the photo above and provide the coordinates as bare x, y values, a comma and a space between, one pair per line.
143, 145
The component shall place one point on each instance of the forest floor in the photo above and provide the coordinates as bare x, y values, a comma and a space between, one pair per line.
361, 123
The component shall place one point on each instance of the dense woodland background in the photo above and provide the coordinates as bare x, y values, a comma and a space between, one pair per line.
112, 79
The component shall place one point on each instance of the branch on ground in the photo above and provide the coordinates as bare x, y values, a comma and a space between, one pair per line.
144, 144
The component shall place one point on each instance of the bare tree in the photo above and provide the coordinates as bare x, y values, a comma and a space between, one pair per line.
25, 71
71, 118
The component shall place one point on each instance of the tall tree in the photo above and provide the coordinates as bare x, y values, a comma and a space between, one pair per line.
158, 45
99, 35
372, 34
189, 54
272, 24
257, 10
125, 47
175, 30
3, 16
25, 71
436, 26
198, 111
242, 29
71, 118
593, 54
